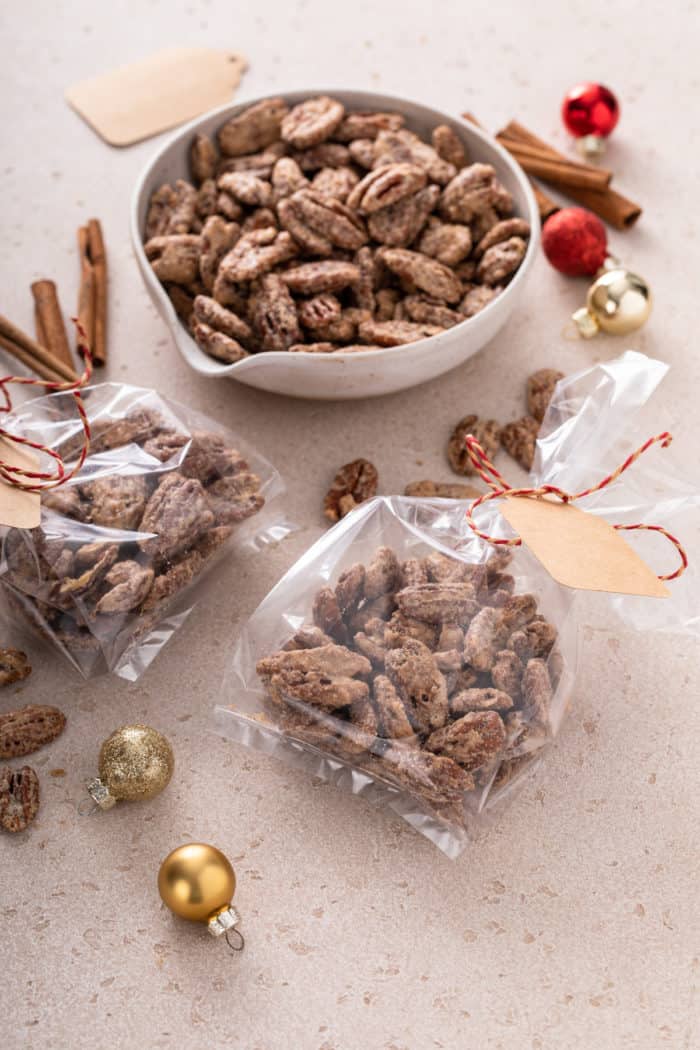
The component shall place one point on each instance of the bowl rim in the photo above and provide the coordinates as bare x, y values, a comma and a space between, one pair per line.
215, 368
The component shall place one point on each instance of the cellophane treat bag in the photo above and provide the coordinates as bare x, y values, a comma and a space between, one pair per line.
119, 559
408, 661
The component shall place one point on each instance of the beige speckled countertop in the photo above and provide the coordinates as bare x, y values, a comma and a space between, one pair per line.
574, 922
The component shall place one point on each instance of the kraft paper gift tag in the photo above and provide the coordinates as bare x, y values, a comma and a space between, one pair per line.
174, 85
580, 550
18, 508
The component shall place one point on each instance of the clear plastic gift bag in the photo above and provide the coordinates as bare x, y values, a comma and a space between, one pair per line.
407, 660
117, 563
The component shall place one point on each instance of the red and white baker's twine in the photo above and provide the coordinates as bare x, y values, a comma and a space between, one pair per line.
37, 481
500, 487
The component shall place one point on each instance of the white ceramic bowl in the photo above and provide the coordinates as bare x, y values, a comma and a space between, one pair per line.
339, 375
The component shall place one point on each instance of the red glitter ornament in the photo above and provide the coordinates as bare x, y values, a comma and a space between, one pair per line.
590, 109
575, 242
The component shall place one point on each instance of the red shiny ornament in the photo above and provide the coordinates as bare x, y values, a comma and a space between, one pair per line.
575, 242
590, 109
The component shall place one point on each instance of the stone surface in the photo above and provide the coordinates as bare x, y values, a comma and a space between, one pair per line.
573, 922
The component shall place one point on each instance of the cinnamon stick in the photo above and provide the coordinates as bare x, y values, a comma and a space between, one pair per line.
39, 328
536, 161
13, 335
545, 205
86, 292
611, 206
50, 321
30, 362
99, 266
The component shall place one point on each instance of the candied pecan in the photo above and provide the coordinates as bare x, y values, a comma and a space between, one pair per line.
179, 574
386, 185
535, 638
353, 484
426, 273
289, 212
235, 497
255, 128
364, 717
437, 603
396, 333
116, 501
424, 310
506, 672
333, 660
403, 146
177, 513
440, 490
469, 193
370, 642
502, 231
523, 736
481, 224
477, 298
349, 590
451, 636
519, 439
216, 344
211, 313
479, 700
313, 348
327, 615
448, 242
486, 431
129, 583
246, 188
256, 253
259, 219
308, 637
325, 276
414, 674
365, 125
329, 733
325, 217
334, 182
227, 207
362, 152
472, 740
273, 314
184, 209
458, 681
387, 298
160, 209
207, 197
401, 627
92, 562
287, 177
399, 224
202, 158
318, 311
183, 302
372, 608
29, 728
413, 571
363, 289
136, 426
19, 798
394, 723
382, 573
174, 258
435, 779
448, 660
206, 456
501, 260
518, 611
466, 271
14, 667
537, 690
315, 688
260, 164
325, 155
483, 639
312, 121
448, 145
540, 387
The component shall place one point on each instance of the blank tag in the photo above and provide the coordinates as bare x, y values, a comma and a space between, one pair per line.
580, 550
18, 508
134, 102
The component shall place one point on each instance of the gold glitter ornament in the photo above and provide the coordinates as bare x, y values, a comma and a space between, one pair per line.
618, 302
136, 763
197, 882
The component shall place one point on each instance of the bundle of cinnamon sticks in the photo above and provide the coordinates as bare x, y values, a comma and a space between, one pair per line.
49, 355
587, 184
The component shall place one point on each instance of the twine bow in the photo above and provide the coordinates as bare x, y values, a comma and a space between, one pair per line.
36, 481
500, 487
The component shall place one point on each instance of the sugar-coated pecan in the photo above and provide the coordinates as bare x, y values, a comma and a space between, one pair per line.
255, 128
325, 155
471, 741
325, 276
385, 186
19, 798
312, 121
319, 310
327, 614
128, 583
399, 224
260, 164
535, 638
519, 439
203, 158
177, 514
427, 274
353, 484
217, 344
394, 723
313, 348
540, 387
287, 177
483, 639
211, 313
160, 209
335, 182
366, 125
476, 298
227, 207
174, 258
207, 196
414, 674
449, 146
14, 667
29, 728
402, 627
234, 497
395, 333
507, 671
349, 590
441, 490
329, 218
486, 431
439, 603
183, 302
537, 690
362, 152
184, 209
447, 242
273, 314
485, 699
404, 147
502, 231
469, 193
436, 779
247, 188
257, 253
308, 637
501, 260
427, 311
382, 574
116, 501
330, 659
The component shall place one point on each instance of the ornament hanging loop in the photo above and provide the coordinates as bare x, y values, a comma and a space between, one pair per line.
239, 943
86, 807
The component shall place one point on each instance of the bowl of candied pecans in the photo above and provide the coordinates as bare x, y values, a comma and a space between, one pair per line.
333, 246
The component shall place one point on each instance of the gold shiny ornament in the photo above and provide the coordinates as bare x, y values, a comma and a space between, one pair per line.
136, 763
618, 302
197, 882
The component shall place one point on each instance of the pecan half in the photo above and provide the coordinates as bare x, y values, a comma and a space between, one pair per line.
385, 186
449, 146
519, 439
325, 276
311, 122
425, 273
255, 128
217, 344
257, 253
486, 431
19, 798
449, 243
247, 188
273, 314
471, 741
414, 674
396, 333
477, 298
540, 388
353, 484
14, 667
399, 224
211, 313
364, 125
202, 158
501, 260
29, 728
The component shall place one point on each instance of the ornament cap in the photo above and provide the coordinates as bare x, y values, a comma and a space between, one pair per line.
592, 147
585, 322
100, 794
224, 920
